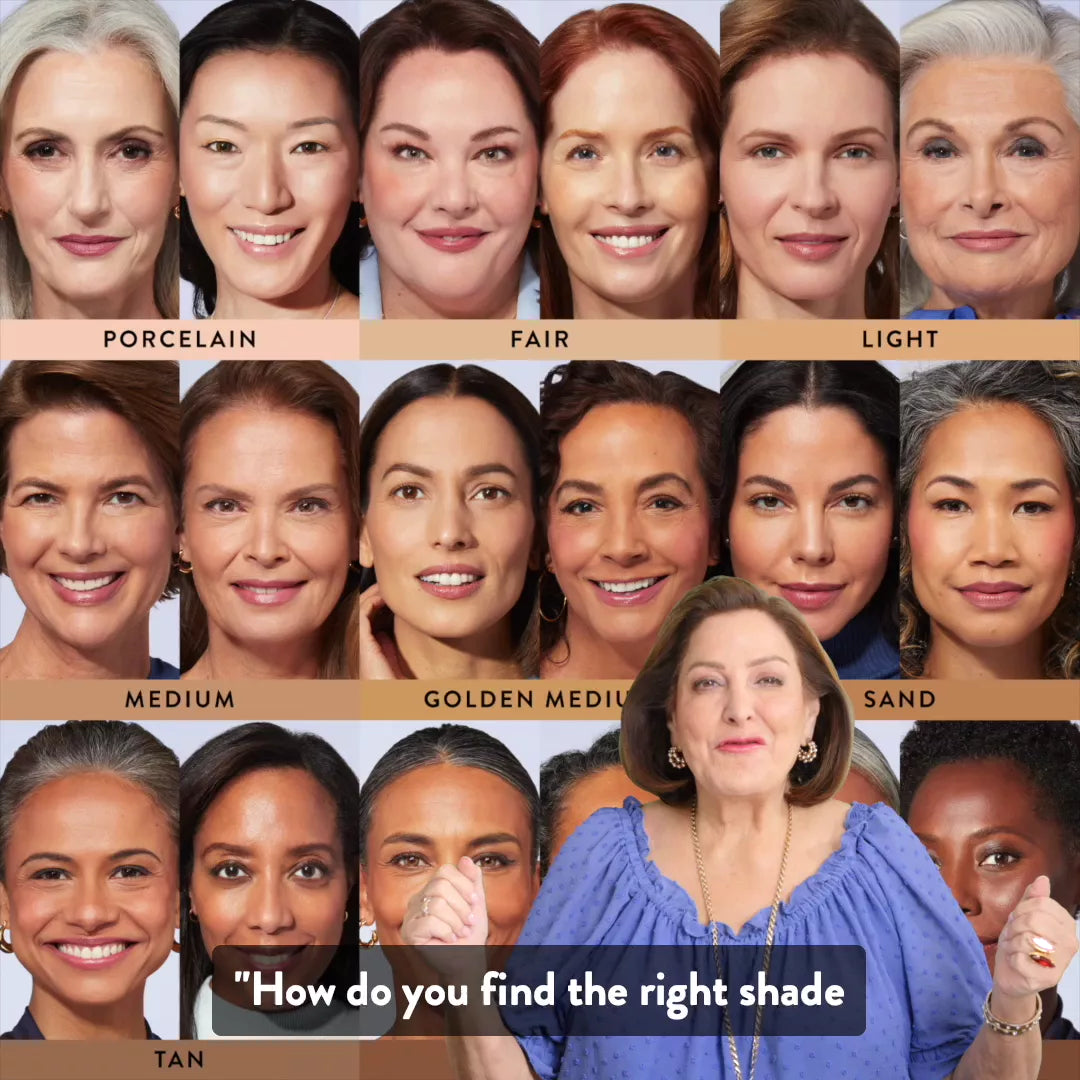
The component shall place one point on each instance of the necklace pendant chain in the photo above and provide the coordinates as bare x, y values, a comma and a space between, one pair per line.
769, 937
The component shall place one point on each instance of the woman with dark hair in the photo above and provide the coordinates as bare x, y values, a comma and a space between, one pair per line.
808, 511
990, 508
269, 162
271, 512
809, 166
89, 507
88, 875
740, 725
269, 848
630, 97
449, 462
574, 785
449, 136
447, 795
997, 804
628, 482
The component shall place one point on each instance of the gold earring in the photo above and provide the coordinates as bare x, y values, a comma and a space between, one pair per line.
539, 605
176, 946
372, 941
537, 223
184, 568
176, 211
5, 946
807, 752
363, 222
675, 758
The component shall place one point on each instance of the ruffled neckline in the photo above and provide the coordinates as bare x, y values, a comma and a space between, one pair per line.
676, 904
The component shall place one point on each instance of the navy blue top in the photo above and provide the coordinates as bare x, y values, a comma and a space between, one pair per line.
863, 651
26, 1028
926, 972
970, 313
159, 669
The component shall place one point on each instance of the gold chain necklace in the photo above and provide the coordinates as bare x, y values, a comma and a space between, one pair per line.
716, 935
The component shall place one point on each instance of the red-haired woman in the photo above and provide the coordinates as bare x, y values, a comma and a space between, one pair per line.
628, 167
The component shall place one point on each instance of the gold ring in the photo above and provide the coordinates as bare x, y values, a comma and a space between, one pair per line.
1041, 950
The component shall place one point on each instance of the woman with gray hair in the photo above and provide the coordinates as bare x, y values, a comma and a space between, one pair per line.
89, 173
990, 162
89, 875
989, 483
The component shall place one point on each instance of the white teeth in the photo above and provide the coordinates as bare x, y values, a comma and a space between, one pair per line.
265, 241
269, 591
627, 586
627, 241
86, 584
450, 579
92, 952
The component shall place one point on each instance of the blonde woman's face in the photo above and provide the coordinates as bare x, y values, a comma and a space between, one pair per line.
89, 174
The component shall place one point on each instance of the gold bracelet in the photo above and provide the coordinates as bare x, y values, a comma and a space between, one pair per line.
1012, 1030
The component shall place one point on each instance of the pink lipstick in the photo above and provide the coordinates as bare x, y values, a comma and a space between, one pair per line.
89, 246
452, 581
268, 593
989, 241
812, 247
88, 588
993, 595
453, 241
807, 596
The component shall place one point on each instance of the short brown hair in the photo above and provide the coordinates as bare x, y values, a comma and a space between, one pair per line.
649, 703
145, 393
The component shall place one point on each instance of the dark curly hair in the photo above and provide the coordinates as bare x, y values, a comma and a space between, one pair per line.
1047, 752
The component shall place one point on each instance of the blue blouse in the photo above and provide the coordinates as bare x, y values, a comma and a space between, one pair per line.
862, 650
926, 973
969, 313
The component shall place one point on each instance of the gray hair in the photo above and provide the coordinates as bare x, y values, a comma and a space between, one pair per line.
868, 761
1024, 29
1050, 390
126, 750
80, 26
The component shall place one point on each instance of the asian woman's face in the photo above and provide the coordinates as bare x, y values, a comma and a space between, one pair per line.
808, 175
741, 710
991, 180
269, 869
980, 823
625, 181
88, 527
89, 173
267, 523
435, 815
91, 889
812, 517
269, 164
628, 521
991, 526
449, 179
449, 524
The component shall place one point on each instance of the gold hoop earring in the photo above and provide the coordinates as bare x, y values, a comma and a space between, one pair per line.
5, 946
540, 603
176, 211
807, 752
371, 941
675, 757
184, 568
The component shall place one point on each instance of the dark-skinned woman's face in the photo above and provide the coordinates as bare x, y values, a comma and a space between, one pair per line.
980, 823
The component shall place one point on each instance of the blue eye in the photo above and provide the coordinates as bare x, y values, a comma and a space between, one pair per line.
668, 152
768, 153
408, 152
857, 153
583, 153
938, 150
1028, 147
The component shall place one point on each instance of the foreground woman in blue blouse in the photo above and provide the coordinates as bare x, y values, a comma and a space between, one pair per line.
738, 722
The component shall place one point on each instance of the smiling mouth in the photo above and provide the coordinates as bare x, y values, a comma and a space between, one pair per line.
86, 584
94, 952
266, 239
631, 240
447, 580
622, 588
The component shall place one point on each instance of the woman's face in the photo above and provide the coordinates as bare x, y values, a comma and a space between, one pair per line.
89, 172
91, 866
741, 709
435, 815
980, 824
808, 174
628, 521
269, 164
449, 177
88, 526
990, 178
991, 524
267, 524
449, 524
269, 869
812, 516
625, 180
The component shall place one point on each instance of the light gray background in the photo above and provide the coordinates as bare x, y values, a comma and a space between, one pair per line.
162, 1000
164, 617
